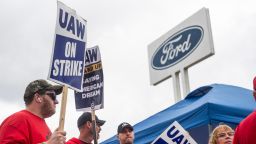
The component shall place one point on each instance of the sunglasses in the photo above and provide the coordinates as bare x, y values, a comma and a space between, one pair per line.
52, 95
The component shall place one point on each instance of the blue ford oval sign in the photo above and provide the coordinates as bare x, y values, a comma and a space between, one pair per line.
177, 47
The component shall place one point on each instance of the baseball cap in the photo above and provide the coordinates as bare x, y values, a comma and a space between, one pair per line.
86, 116
40, 85
122, 126
254, 83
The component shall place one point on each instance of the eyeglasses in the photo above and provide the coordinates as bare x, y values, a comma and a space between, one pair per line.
223, 135
52, 95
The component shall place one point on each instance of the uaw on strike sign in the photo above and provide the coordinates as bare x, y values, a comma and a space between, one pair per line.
67, 63
92, 96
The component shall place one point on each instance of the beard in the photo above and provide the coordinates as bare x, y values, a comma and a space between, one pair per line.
47, 108
128, 141
92, 132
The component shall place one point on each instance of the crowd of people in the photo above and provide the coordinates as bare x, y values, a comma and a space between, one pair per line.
28, 126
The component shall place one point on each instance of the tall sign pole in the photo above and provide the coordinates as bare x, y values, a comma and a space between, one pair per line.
176, 86
185, 81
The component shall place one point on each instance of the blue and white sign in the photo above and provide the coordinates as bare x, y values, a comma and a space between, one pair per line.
67, 63
93, 92
177, 47
180, 48
174, 134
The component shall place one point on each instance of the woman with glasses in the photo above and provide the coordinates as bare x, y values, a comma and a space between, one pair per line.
222, 134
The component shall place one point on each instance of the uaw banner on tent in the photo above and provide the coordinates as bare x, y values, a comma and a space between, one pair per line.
67, 63
92, 95
174, 134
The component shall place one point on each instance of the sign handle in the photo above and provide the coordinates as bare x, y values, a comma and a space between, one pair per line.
63, 108
95, 138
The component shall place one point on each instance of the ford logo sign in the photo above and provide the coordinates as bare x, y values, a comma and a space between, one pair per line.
177, 47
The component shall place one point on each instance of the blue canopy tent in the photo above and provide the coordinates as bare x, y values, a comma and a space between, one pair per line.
198, 113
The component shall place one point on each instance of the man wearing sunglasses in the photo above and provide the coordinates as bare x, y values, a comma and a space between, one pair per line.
28, 126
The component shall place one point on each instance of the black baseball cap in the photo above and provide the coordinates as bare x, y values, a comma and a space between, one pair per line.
122, 126
86, 116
